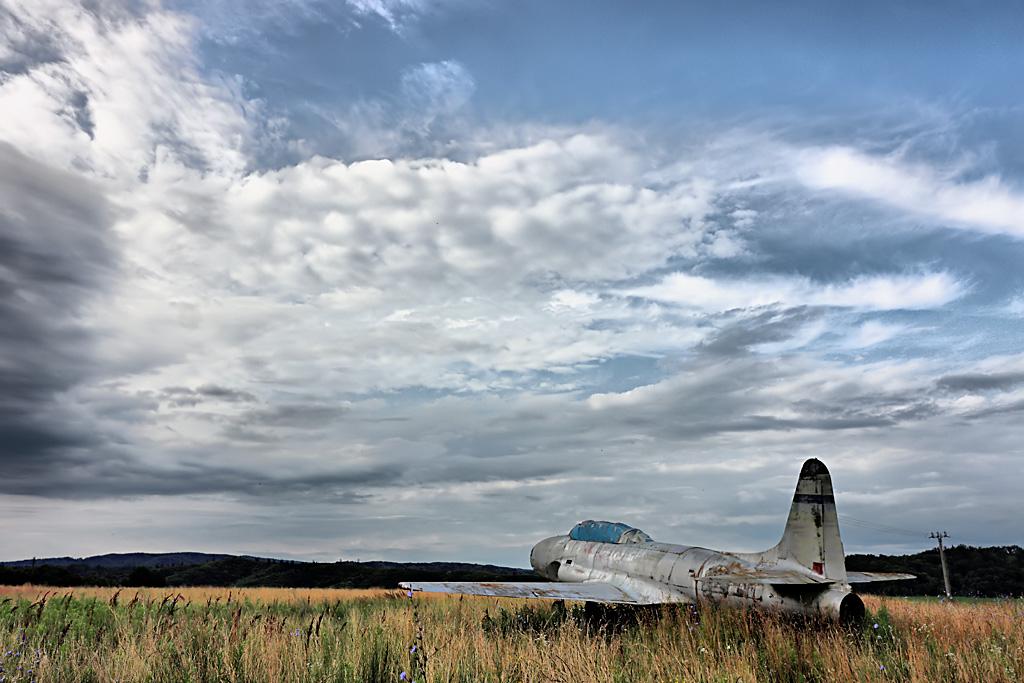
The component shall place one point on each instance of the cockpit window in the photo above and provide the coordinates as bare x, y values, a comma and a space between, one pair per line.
607, 532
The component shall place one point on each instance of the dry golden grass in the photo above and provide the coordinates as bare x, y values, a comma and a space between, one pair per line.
308, 635
200, 593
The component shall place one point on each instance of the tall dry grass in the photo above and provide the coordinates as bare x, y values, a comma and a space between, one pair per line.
280, 635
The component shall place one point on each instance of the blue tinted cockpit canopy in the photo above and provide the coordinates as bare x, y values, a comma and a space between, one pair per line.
607, 532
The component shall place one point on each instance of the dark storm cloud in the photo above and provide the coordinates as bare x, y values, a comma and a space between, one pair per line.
259, 425
296, 415
710, 397
224, 393
55, 251
183, 396
863, 405
976, 383
764, 328
1011, 409
107, 472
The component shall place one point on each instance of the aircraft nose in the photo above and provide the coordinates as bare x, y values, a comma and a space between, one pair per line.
542, 555
534, 562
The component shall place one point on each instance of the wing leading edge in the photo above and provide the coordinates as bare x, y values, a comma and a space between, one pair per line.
865, 577
789, 577
597, 591
770, 576
594, 591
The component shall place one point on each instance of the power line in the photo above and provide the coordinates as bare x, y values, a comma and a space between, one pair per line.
883, 527
896, 530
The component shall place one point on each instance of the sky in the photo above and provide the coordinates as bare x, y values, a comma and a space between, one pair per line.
425, 280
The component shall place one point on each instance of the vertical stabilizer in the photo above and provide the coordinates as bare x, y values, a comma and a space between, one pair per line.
811, 537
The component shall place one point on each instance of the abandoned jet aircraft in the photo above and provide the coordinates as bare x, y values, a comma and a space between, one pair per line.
608, 562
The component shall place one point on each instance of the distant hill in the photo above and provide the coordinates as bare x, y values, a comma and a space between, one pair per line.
445, 567
202, 569
243, 572
127, 560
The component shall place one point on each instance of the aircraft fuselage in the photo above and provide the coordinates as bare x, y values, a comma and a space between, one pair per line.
656, 572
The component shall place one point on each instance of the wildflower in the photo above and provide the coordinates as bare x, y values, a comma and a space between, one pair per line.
876, 625
402, 676
410, 593
413, 649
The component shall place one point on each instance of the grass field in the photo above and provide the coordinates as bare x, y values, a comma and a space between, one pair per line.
285, 635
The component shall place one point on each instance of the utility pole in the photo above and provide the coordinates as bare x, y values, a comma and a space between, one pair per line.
937, 535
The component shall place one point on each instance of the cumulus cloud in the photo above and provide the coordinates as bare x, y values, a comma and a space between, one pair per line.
430, 273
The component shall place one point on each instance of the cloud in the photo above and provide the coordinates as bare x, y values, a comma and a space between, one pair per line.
974, 383
988, 204
183, 396
868, 293
116, 94
25, 45
772, 328
432, 272
396, 13
242, 22
56, 254
436, 89
872, 332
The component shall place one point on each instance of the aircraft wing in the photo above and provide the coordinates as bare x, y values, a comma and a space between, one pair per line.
594, 591
864, 577
772, 576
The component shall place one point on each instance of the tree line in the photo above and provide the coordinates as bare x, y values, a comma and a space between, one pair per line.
976, 572
979, 572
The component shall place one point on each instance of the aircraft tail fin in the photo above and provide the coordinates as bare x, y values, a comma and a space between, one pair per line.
812, 537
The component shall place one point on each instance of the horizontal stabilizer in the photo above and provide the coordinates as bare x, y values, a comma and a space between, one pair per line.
596, 591
770, 576
865, 577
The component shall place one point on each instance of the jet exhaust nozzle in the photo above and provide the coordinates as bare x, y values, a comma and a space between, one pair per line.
842, 606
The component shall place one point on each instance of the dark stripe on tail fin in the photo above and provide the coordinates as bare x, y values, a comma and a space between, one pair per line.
813, 499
